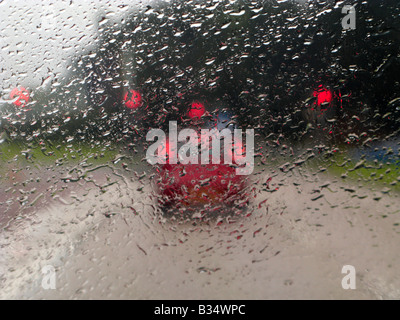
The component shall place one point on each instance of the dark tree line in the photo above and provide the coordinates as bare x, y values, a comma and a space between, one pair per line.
262, 60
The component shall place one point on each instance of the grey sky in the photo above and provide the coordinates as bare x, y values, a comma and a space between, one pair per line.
39, 37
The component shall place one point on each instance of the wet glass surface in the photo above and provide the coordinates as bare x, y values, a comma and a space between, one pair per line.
82, 83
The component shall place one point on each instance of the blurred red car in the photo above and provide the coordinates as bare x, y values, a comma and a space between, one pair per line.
201, 185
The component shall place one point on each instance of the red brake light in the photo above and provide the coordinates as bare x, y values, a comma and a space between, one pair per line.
323, 96
23, 96
133, 99
197, 110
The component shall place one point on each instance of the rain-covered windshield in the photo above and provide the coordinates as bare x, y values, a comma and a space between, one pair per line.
199, 149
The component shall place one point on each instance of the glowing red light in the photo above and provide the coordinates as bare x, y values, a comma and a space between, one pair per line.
323, 96
197, 110
133, 99
22, 94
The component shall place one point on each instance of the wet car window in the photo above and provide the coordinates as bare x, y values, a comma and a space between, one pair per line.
199, 149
